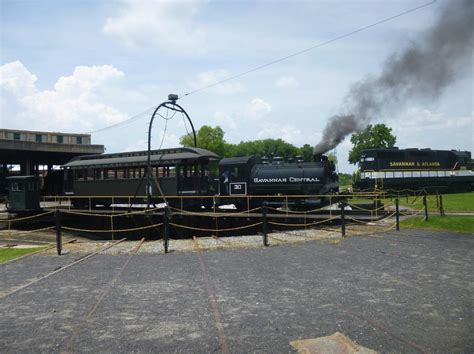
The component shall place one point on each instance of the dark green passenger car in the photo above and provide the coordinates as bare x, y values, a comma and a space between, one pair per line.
120, 178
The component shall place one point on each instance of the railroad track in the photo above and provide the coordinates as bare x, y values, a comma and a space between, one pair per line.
22, 287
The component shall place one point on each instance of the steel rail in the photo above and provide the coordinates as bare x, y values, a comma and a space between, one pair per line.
212, 299
33, 253
60, 269
77, 329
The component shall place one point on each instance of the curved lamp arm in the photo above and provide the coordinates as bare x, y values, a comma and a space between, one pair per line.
171, 104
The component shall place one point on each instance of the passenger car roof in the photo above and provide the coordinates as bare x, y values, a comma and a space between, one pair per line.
241, 160
139, 158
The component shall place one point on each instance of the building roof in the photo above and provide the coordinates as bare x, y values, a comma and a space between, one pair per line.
43, 153
44, 132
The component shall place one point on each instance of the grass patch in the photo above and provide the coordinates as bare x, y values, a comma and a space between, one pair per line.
448, 223
451, 202
7, 254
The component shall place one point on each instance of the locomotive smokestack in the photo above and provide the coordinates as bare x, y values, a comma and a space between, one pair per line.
317, 157
421, 71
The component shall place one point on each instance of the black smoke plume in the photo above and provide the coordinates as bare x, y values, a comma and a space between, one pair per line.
422, 71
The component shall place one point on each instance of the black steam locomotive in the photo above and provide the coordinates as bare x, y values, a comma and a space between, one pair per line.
249, 175
119, 178
415, 169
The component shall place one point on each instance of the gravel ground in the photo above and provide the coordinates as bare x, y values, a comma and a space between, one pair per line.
407, 291
328, 234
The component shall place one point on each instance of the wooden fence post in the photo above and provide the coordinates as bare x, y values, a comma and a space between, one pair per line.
425, 204
397, 213
264, 224
167, 228
59, 241
343, 220
441, 208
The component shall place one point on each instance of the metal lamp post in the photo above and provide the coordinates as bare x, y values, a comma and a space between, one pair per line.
170, 104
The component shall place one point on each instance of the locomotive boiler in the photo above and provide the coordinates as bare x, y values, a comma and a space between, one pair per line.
252, 176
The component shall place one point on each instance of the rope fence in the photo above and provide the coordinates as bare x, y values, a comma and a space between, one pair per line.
169, 217
112, 229
216, 230
140, 212
213, 214
27, 232
367, 222
287, 211
382, 207
30, 217
304, 224
418, 212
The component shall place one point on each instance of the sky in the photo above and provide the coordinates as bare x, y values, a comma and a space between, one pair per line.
79, 66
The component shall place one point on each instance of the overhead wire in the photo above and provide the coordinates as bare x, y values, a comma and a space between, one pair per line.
319, 45
124, 122
308, 49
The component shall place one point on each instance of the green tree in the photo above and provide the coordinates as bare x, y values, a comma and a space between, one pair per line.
332, 157
266, 147
307, 151
212, 138
373, 136
208, 138
345, 179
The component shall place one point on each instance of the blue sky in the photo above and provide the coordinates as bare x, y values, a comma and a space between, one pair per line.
81, 65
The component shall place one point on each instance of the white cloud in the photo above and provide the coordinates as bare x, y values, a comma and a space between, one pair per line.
287, 82
225, 121
170, 140
74, 104
287, 132
421, 119
423, 128
258, 108
86, 79
208, 78
16, 79
169, 25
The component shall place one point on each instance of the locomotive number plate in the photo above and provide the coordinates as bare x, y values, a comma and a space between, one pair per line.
238, 188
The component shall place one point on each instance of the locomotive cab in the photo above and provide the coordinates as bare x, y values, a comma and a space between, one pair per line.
234, 174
